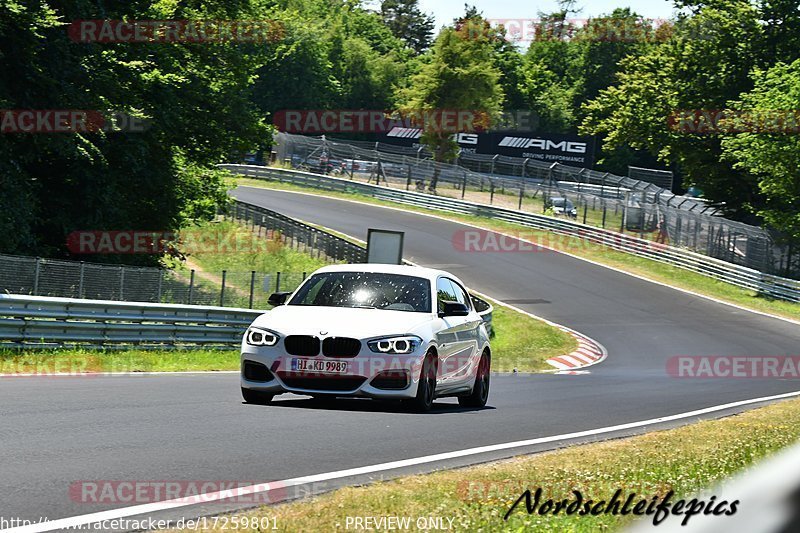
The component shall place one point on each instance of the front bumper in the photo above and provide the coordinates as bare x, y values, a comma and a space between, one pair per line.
368, 375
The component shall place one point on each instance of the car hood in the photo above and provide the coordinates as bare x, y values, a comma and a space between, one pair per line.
340, 322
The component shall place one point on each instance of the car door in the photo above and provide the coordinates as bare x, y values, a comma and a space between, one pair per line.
448, 327
467, 337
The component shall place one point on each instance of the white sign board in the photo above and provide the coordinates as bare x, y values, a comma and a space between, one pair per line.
385, 247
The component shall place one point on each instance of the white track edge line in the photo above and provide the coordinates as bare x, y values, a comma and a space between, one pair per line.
75, 521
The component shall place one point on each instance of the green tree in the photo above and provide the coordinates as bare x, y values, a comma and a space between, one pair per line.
549, 82
702, 66
460, 74
771, 155
195, 97
407, 22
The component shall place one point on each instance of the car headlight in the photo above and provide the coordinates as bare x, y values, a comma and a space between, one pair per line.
395, 345
261, 337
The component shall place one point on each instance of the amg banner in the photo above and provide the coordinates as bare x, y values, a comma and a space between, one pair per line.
551, 148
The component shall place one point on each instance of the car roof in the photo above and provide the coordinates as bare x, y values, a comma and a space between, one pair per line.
420, 272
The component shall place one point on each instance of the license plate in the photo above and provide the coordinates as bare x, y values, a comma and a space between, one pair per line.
317, 366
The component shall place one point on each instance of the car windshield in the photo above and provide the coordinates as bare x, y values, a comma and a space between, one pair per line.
368, 290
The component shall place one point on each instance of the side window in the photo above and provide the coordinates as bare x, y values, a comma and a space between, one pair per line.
461, 294
445, 292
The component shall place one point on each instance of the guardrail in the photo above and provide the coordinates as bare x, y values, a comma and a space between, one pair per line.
765, 284
331, 245
41, 322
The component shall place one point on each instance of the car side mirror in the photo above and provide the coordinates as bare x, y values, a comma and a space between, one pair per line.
454, 309
279, 298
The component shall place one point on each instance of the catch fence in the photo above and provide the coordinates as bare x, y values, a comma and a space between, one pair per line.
594, 198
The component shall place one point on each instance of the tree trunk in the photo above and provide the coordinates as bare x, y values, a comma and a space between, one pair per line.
434, 179
438, 157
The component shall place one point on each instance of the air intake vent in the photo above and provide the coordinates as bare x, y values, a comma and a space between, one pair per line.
256, 372
391, 380
332, 384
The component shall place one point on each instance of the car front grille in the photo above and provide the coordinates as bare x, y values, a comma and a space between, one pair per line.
302, 345
341, 347
323, 384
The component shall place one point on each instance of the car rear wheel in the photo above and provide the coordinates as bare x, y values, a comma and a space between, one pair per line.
256, 397
426, 391
480, 392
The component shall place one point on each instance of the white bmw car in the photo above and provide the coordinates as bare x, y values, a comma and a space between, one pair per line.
375, 331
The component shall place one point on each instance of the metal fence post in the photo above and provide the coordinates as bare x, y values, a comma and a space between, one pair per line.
252, 286
191, 287
36, 273
122, 283
80, 280
160, 284
464, 186
222, 289
278, 282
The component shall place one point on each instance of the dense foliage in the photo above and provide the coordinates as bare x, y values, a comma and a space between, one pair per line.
618, 77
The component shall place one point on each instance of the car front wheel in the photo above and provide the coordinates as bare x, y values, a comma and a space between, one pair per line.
256, 397
480, 392
426, 391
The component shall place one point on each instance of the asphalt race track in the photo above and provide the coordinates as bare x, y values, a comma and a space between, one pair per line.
54, 432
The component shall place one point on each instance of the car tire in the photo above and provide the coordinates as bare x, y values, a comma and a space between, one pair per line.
480, 392
256, 397
426, 391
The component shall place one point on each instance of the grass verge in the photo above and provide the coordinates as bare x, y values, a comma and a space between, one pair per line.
687, 461
524, 343
640, 266
77, 361
239, 249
